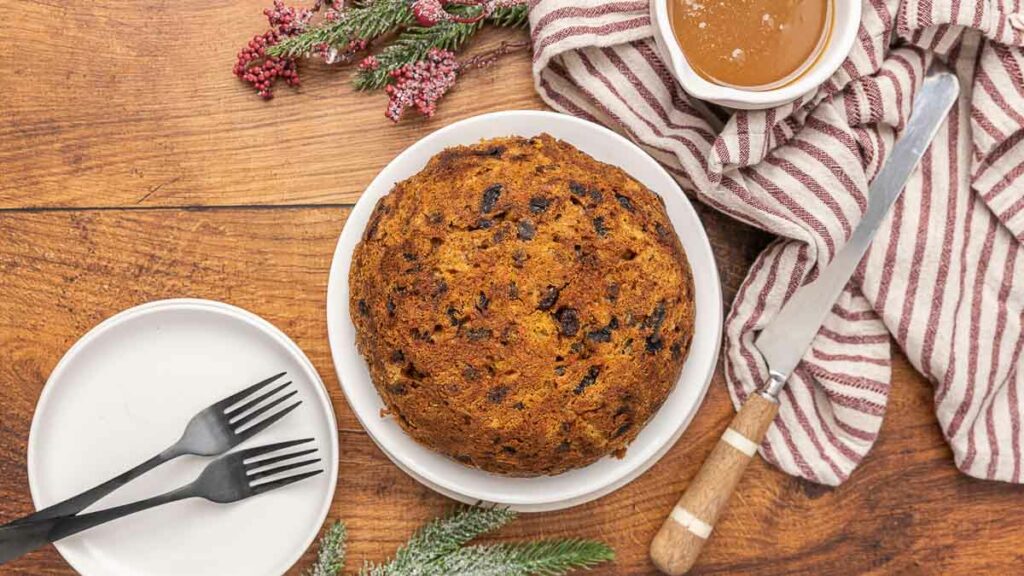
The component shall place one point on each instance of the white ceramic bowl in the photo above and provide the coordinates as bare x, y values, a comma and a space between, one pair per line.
577, 486
845, 23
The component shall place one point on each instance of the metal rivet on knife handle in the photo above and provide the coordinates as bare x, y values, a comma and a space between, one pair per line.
678, 543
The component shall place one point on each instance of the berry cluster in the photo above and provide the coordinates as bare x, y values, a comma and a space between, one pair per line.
255, 67
421, 84
342, 31
286, 20
369, 63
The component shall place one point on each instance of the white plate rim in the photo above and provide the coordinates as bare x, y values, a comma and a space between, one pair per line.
324, 400
343, 358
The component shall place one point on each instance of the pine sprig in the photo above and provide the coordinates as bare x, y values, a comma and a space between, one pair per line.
330, 556
417, 65
543, 558
440, 549
439, 538
413, 43
510, 17
363, 22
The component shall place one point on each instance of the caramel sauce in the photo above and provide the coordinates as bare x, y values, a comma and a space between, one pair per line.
759, 44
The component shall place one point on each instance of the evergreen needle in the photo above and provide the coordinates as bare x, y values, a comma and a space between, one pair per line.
413, 43
542, 558
330, 555
361, 22
439, 549
439, 538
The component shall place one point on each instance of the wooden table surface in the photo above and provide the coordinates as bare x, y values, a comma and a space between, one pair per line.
134, 166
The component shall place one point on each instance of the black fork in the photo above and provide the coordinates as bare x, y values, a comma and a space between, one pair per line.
230, 478
213, 431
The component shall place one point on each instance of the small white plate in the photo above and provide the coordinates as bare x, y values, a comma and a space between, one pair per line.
575, 487
125, 392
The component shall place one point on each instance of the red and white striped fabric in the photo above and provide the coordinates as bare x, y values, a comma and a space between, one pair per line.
945, 275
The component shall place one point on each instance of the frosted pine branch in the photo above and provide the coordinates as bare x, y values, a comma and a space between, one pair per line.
414, 42
440, 538
543, 558
363, 22
330, 556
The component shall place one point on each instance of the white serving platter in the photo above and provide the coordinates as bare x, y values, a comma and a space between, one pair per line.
575, 487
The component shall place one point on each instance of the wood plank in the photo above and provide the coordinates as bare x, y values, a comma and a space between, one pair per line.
906, 510
112, 103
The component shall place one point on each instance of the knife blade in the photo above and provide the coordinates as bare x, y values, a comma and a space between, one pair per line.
787, 337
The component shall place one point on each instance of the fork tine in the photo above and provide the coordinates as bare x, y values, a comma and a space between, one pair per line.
276, 459
261, 450
239, 396
286, 467
260, 426
242, 409
268, 486
236, 424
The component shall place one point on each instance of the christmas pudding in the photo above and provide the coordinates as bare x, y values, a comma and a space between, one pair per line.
522, 307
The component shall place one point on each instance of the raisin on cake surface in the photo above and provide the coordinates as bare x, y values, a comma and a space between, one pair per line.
522, 307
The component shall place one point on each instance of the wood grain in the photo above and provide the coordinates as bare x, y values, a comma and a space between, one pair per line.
133, 166
906, 510
112, 103
677, 545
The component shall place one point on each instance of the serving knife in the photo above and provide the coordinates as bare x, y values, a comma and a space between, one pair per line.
787, 337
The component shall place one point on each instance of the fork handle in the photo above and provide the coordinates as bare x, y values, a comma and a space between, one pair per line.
23, 537
76, 504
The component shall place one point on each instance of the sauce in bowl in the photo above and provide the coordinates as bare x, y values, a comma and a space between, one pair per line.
751, 44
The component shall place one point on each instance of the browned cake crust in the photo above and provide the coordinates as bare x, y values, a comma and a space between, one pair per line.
523, 307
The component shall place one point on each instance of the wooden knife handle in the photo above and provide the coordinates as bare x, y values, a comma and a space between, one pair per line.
676, 546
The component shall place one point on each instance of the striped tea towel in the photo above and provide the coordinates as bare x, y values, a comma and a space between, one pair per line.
945, 275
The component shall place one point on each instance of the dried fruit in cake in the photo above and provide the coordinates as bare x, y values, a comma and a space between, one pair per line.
523, 308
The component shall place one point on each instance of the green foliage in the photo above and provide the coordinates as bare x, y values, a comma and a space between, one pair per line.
439, 538
544, 558
410, 43
440, 549
413, 43
330, 556
511, 17
362, 22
